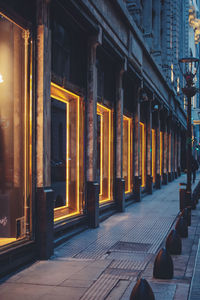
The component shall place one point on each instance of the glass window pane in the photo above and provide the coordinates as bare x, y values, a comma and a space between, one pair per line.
14, 128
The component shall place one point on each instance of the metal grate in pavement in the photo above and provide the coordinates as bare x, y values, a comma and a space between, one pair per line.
101, 288
129, 247
129, 265
122, 274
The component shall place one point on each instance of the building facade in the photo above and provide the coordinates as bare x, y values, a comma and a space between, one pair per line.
90, 114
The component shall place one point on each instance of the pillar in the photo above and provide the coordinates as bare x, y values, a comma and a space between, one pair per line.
149, 149
44, 195
165, 152
92, 186
158, 177
119, 181
137, 177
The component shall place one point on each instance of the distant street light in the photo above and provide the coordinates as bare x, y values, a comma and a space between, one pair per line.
189, 67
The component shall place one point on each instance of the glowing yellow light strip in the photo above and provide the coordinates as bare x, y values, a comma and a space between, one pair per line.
30, 135
109, 155
26, 126
67, 158
12, 21
78, 150
54, 85
153, 155
101, 152
65, 216
143, 155
129, 120
161, 152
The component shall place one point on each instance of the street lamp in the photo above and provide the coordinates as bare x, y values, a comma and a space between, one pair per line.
189, 67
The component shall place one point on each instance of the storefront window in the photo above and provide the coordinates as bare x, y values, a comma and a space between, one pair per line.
161, 153
15, 133
67, 127
105, 152
127, 153
154, 155
142, 153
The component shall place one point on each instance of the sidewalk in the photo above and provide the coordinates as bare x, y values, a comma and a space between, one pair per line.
104, 263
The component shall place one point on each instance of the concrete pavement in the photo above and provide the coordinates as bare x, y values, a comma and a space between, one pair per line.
104, 263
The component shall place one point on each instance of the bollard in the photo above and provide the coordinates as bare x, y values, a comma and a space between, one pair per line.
173, 243
186, 213
163, 265
142, 291
181, 227
193, 201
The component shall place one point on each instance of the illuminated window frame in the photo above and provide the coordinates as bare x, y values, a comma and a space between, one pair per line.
172, 73
60, 94
99, 107
130, 121
153, 155
161, 153
142, 163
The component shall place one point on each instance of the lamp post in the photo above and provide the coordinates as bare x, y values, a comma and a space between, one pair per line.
189, 67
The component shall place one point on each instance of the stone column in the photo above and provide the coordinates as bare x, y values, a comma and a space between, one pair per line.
92, 187
137, 177
149, 149
179, 152
169, 149
158, 177
119, 181
165, 152
44, 231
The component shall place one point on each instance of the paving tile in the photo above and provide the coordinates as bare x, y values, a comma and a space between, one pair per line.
14, 291
50, 272
181, 291
119, 290
77, 283
89, 273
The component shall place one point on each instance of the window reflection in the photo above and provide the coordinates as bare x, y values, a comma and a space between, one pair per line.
15, 143
67, 125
